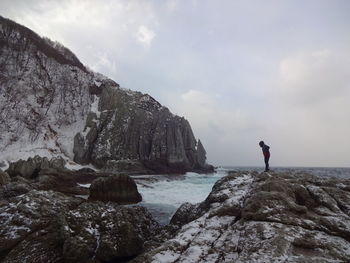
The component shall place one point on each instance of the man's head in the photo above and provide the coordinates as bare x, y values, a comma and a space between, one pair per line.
261, 143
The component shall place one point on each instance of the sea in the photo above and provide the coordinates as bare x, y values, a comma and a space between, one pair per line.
163, 197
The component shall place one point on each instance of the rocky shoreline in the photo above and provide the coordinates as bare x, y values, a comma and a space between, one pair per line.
247, 217
267, 217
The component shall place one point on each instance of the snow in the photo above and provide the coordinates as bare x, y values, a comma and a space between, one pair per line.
75, 166
49, 130
196, 238
94, 106
98, 83
92, 230
221, 238
84, 185
82, 196
166, 257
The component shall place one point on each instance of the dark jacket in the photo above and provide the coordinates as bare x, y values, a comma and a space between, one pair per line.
266, 150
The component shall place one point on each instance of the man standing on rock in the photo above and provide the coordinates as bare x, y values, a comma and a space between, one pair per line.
266, 152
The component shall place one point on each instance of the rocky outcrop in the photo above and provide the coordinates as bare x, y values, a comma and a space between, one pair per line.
43, 174
4, 178
127, 125
47, 226
45, 93
268, 217
51, 103
131, 167
33, 166
119, 188
201, 153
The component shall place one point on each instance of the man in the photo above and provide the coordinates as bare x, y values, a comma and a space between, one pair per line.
266, 152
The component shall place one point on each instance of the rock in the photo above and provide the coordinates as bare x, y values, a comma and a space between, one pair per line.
33, 166
61, 101
130, 167
186, 213
268, 217
107, 232
3, 165
120, 124
86, 170
202, 154
120, 189
133, 126
52, 227
13, 189
117, 188
4, 178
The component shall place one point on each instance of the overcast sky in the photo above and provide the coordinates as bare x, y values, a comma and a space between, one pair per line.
239, 71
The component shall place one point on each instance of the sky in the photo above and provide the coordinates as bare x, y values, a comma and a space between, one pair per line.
240, 71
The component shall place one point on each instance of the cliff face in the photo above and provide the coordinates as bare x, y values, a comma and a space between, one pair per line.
45, 94
50, 100
130, 125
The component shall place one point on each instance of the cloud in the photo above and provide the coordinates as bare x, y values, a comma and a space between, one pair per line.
281, 76
225, 131
104, 63
308, 115
205, 111
316, 76
145, 35
172, 5
114, 26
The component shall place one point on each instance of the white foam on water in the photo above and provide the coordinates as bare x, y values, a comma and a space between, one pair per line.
194, 189
162, 198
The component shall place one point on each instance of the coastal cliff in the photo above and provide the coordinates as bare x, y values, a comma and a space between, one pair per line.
52, 105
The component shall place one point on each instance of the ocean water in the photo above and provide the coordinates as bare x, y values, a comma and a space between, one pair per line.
163, 198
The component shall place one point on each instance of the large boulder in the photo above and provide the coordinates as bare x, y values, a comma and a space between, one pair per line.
119, 188
45, 226
268, 217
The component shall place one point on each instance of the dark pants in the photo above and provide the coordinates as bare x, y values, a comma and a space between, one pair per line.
266, 159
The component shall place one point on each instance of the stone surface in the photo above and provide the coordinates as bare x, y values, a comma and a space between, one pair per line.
134, 127
46, 94
268, 217
33, 166
202, 154
130, 167
105, 186
117, 188
83, 115
45, 226
4, 178
14, 188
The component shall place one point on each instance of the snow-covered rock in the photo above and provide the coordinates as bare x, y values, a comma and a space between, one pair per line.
52, 105
46, 226
268, 217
